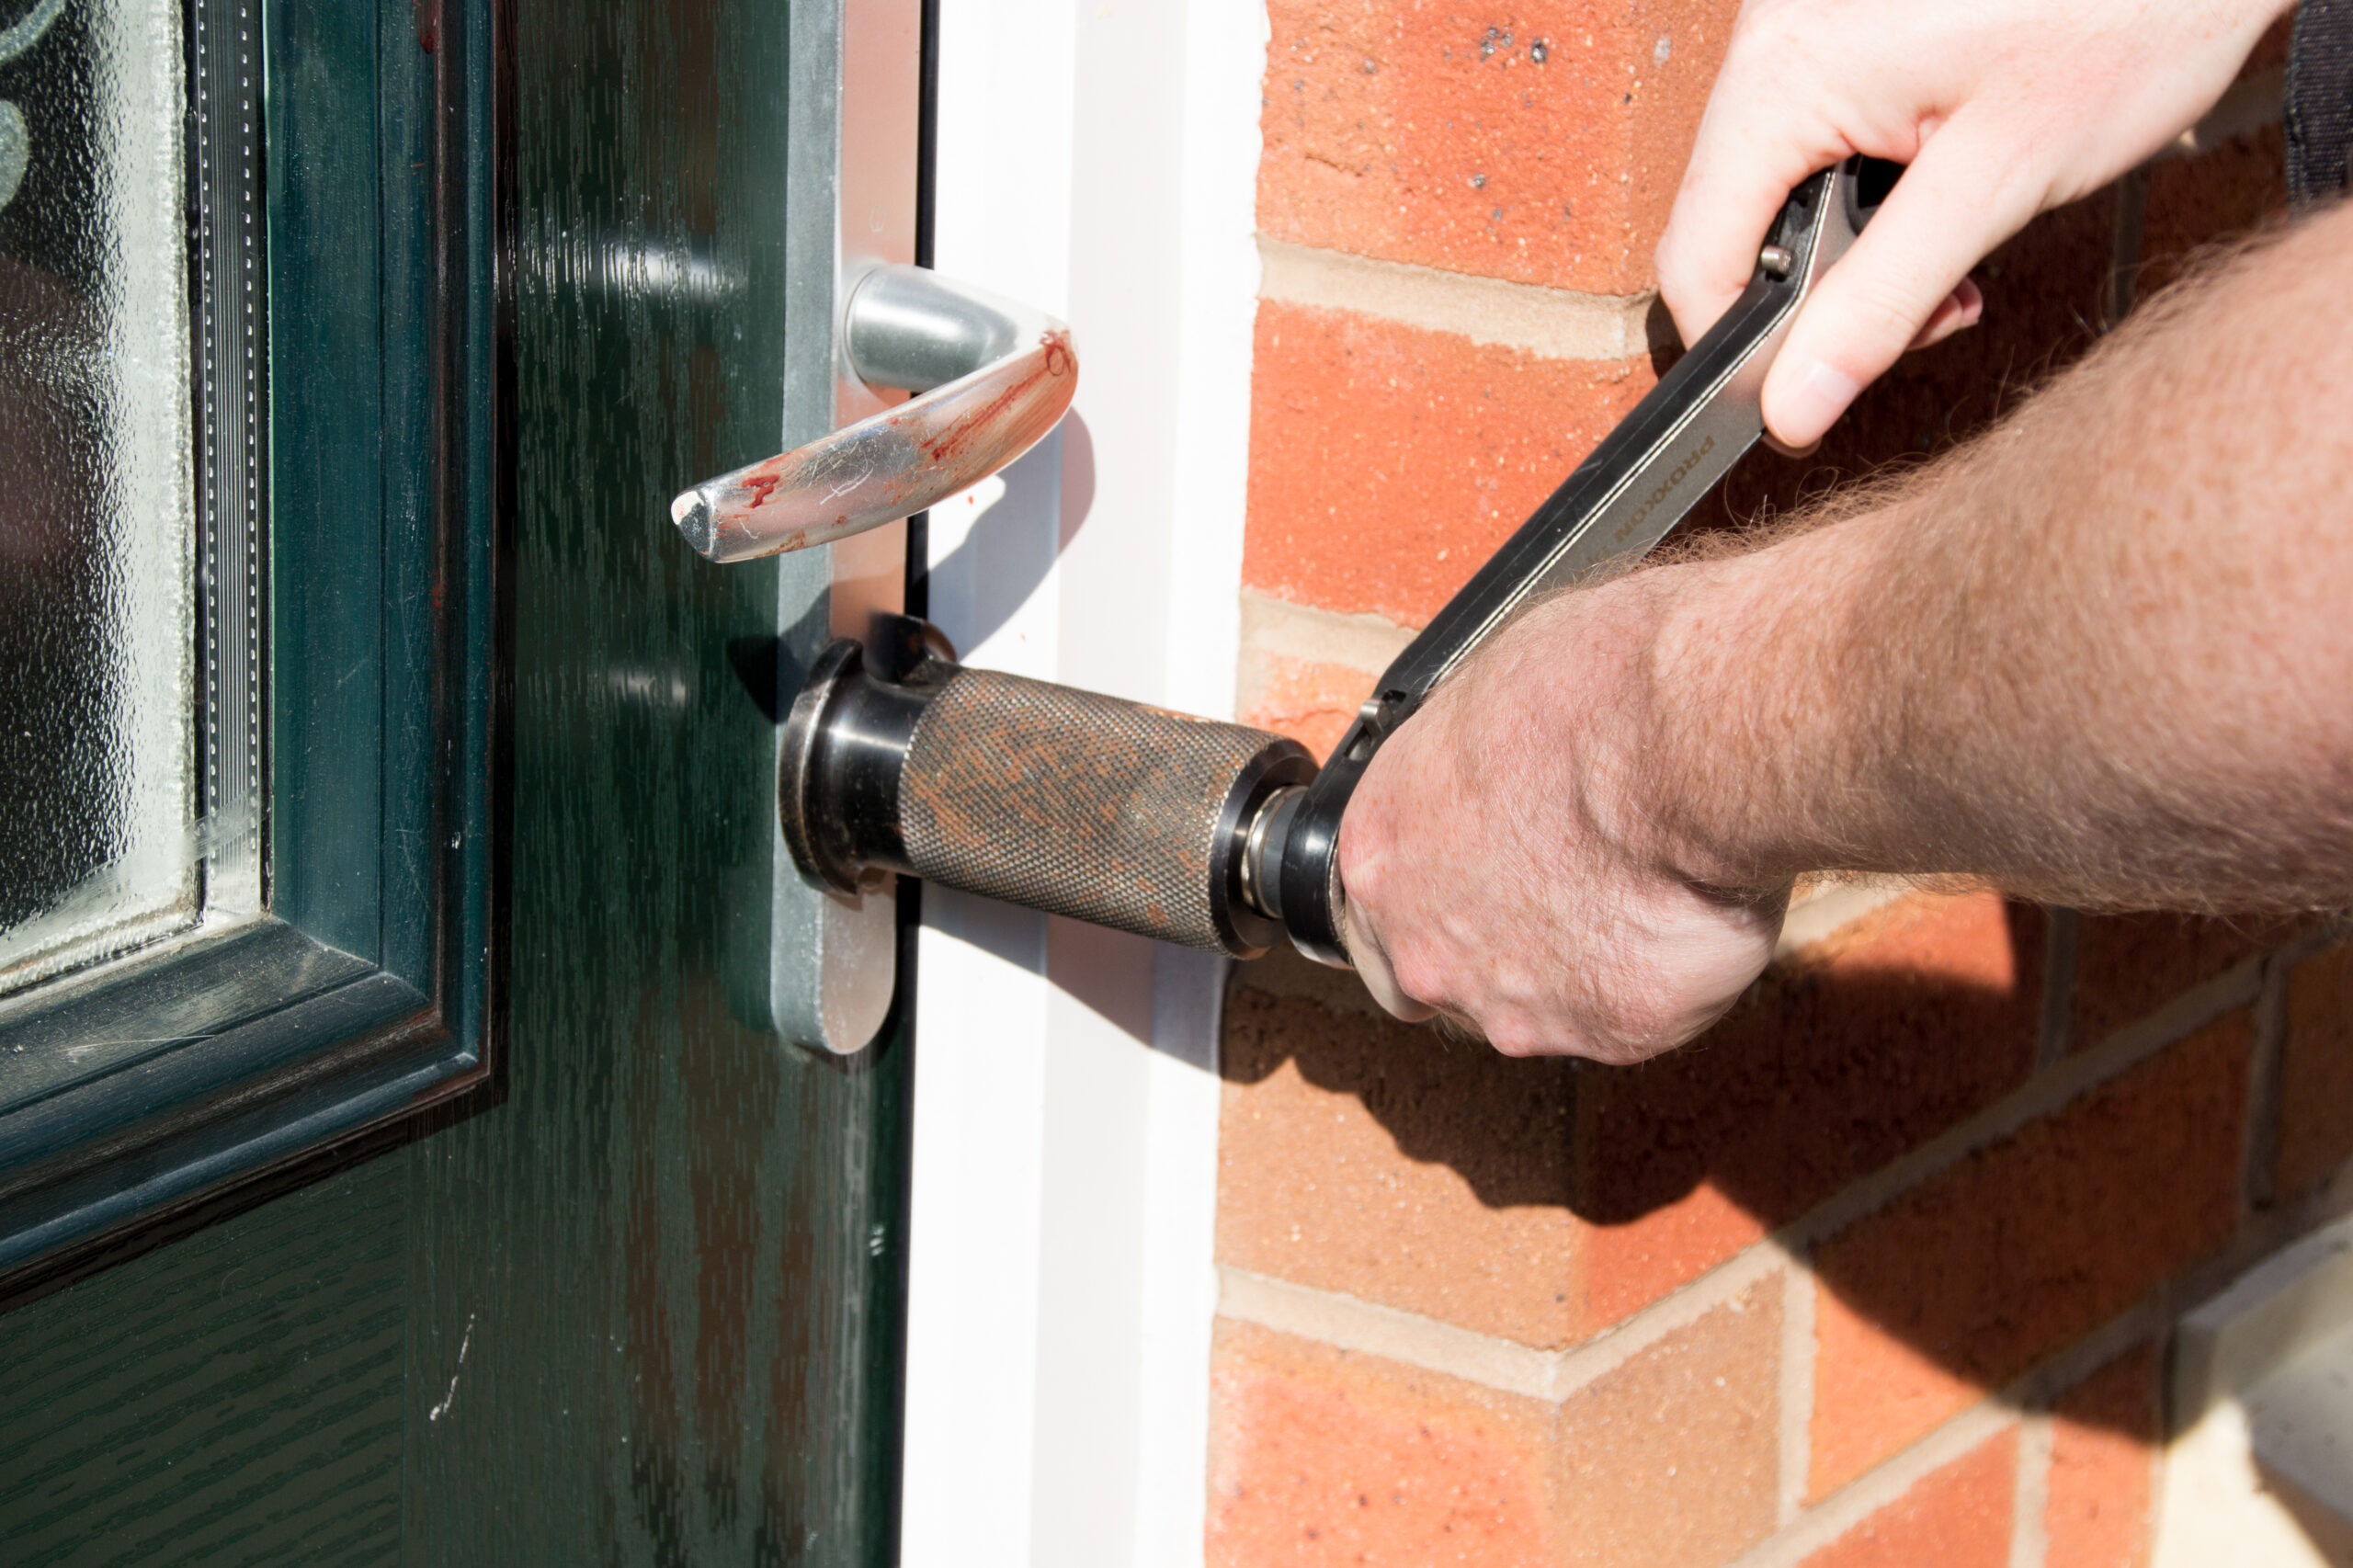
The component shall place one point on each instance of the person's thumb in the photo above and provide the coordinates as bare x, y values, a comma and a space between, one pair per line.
1955, 202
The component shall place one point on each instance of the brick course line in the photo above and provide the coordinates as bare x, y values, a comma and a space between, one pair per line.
1560, 323
1553, 323
1347, 1322
1797, 1392
2060, 933
2029, 1536
1350, 1324
1606, 1352
2038, 1389
2309, 1133
2038, 1097
1878, 1487
2260, 1140
2154, 1314
2156, 1460
1286, 631
1830, 907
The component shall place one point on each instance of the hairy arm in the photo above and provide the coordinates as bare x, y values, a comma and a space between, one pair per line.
2103, 656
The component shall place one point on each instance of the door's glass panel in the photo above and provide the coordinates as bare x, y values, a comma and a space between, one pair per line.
101, 834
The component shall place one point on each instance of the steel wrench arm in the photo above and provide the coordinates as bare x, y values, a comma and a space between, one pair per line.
1701, 417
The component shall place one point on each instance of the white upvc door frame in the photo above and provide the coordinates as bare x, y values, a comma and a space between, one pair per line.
1097, 160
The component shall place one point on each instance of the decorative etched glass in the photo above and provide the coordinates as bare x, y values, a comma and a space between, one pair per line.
102, 840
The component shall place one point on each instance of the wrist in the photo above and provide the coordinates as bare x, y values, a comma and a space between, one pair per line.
1751, 718
1582, 702
1689, 715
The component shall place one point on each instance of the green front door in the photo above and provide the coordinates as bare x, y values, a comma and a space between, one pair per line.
634, 1296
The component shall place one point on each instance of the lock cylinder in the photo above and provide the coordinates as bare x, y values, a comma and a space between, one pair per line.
1069, 801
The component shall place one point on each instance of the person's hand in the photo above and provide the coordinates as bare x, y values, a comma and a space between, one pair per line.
2001, 108
1501, 865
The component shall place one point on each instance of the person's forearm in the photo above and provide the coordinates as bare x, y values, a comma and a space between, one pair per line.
2104, 657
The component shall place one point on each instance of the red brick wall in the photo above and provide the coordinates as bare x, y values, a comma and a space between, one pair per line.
1880, 1271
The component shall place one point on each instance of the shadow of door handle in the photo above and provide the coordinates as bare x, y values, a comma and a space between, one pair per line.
992, 377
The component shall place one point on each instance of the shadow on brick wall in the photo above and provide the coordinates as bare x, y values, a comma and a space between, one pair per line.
1349, 1137
1545, 1200
1823, 1073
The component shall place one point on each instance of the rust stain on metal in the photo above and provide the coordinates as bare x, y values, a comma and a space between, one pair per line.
1002, 410
896, 463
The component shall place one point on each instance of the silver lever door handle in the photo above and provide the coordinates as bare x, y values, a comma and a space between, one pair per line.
994, 378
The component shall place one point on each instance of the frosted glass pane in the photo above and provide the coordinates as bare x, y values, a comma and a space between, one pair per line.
100, 845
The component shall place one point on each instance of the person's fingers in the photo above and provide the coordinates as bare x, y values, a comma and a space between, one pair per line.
1749, 156
1962, 310
1372, 967
1956, 202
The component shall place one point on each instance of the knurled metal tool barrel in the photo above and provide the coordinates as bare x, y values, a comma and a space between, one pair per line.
1045, 796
